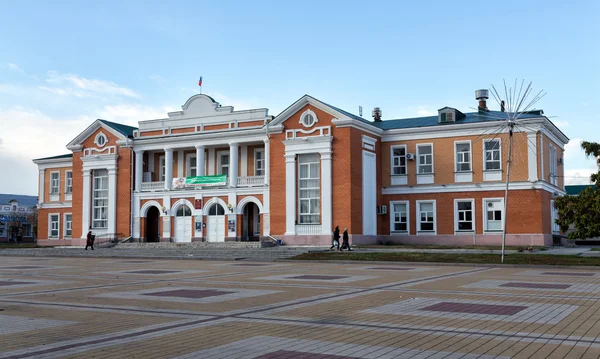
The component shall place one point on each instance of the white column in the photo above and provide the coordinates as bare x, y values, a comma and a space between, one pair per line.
532, 156
135, 212
266, 220
85, 212
244, 154
200, 166
166, 218
41, 198
139, 170
326, 190
233, 164
267, 162
290, 195
168, 168
112, 200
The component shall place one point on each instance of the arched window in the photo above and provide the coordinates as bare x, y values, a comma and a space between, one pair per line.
184, 211
216, 210
308, 118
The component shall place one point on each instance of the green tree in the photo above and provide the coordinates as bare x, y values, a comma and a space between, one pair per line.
582, 211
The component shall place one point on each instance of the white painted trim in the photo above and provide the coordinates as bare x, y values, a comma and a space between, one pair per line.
484, 213
57, 193
161, 158
75, 144
495, 175
290, 194
542, 158
139, 170
473, 216
233, 164
418, 214
50, 226
399, 180
208, 139
188, 164
267, 162
392, 218
98, 137
179, 203
472, 187
244, 201
418, 159
211, 202
65, 225
392, 160
305, 114
168, 168
48, 205
326, 192
369, 194
359, 125
483, 151
41, 180
369, 140
66, 182
147, 205
460, 142
112, 201
86, 202
53, 163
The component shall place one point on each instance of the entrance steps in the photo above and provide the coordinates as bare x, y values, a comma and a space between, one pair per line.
198, 245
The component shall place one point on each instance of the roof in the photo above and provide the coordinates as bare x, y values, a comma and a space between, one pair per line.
23, 200
574, 190
68, 155
470, 117
123, 129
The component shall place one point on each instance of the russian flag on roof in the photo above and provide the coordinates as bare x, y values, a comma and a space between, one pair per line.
200, 81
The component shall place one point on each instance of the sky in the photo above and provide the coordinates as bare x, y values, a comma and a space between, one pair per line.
65, 63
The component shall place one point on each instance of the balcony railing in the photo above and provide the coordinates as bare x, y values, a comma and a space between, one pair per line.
153, 186
251, 181
308, 229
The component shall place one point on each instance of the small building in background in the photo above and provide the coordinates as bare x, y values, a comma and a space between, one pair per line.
17, 218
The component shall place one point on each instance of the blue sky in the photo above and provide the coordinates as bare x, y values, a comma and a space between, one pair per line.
63, 64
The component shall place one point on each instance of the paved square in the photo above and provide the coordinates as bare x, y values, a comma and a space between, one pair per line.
157, 308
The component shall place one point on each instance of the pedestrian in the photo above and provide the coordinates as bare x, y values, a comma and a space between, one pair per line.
345, 243
90, 240
335, 239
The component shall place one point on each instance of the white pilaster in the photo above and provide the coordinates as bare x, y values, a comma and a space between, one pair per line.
112, 200
326, 192
542, 174
267, 162
232, 199
168, 168
166, 218
139, 169
290, 195
266, 220
85, 210
211, 161
200, 166
244, 154
41, 195
233, 164
532, 156
136, 216
180, 162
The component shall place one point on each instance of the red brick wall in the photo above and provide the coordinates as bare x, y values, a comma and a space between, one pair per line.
43, 229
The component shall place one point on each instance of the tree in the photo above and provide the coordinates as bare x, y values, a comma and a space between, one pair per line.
582, 211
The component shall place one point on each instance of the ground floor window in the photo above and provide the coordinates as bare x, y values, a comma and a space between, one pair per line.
426, 216
309, 189
493, 210
554, 216
53, 225
68, 225
399, 217
100, 199
464, 215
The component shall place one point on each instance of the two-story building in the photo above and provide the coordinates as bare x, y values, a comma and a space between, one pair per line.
209, 173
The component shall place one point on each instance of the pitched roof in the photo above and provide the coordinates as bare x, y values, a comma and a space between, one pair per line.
68, 155
574, 190
23, 200
123, 129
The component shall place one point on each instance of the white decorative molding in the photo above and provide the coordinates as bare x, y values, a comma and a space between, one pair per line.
48, 205
249, 199
304, 116
147, 205
53, 163
211, 202
108, 150
472, 187
101, 139
179, 203
495, 175
532, 159
76, 143
425, 178
293, 134
367, 140
463, 176
399, 180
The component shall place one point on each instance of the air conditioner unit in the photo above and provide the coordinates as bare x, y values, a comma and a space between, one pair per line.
410, 156
382, 209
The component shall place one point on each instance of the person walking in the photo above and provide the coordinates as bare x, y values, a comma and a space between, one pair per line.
90, 240
345, 238
335, 239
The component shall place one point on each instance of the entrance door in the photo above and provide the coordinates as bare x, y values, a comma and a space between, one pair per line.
215, 231
183, 224
152, 217
251, 223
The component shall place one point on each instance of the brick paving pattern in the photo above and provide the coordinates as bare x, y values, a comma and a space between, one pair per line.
109, 307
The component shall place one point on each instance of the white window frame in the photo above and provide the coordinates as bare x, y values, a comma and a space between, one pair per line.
392, 157
55, 190
499, 154
98, 137
456, 143
418, 214
50, 226
318, 213
554, 228
484, 211
68, 183
305, 114
456, 216
393, 231
162, 168
419, 159
66, 225
256, 161
220, 155
190, 162
94, 219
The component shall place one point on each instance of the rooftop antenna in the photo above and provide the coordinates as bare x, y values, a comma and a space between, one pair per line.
360, 111
513, 105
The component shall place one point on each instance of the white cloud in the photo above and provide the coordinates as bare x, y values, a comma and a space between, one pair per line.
573, 148
14, 67
131, 114
579, 176
244, 104
73, 81
422, 111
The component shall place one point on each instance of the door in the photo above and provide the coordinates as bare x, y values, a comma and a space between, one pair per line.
183, 225
215, 231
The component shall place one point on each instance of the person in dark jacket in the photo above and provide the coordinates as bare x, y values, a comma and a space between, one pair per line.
335, 239
345, 238
90, 240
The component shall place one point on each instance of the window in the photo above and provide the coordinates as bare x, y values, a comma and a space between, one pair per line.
463, 156
308, 118
184, 211
100, 139
69, 182
425, 159
54, 182
426, 216
309, 189
54, 223
493, 213
554, 217
492, 155
224, 164
68, 224
162, 162
399, 160
553, 166
191, 172
399, 217
464, 215
216, 210
259, 162
100, 199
